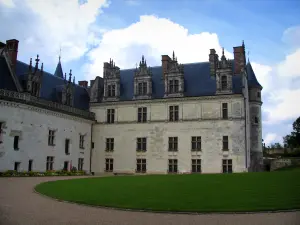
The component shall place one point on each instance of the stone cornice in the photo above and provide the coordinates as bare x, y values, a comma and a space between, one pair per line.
167, 100
27, 99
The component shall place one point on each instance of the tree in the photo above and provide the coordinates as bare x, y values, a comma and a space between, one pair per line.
293, 140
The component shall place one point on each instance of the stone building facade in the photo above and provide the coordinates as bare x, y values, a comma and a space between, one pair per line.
200, 117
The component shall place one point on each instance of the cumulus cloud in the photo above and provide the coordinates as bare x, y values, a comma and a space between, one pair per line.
152, 37
272, 138
45, 26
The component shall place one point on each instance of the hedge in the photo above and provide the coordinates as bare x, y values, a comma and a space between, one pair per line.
13, 173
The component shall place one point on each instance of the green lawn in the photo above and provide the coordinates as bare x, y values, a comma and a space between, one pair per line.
193, 193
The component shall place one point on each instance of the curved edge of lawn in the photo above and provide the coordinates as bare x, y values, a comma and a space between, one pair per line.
154, 211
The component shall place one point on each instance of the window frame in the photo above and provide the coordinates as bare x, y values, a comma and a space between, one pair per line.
196, 166
173, 113
110, 116
224, 82
81, 141
227, 166
111, 90
173, 164
142, 115
80, 164
141, 144
16, 142
51, 137
142, 88
49, 163
109, 144
173, 144
225, 110
196, 143
225, 143
109, 164
67, 146
141, 165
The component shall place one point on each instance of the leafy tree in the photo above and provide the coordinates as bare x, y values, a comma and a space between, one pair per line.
293, 140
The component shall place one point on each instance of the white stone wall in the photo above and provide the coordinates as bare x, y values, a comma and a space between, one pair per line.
33, 125
197, 117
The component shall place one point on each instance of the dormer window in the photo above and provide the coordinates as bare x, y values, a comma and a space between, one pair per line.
111, 90
224, 82
173, 86
142, 88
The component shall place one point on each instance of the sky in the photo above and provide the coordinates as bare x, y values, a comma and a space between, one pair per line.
90, 32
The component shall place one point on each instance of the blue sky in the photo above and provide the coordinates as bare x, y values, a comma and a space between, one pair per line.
91, 31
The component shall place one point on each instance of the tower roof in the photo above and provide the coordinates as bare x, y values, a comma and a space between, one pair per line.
252, 80
58, 71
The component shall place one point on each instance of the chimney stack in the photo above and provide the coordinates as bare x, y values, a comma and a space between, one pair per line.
213, 62
83, 83
12, 49
165, 60
239, 58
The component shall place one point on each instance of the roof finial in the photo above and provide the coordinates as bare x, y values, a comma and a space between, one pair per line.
70, 76
248, 56
59, 57
222, 51
142, 59
37, 62
173, 55
42, 67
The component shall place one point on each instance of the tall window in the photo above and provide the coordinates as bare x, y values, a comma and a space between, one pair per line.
173, 167
1, 133
49, 163
224, 82
225, 143
110, 115
109, 164
141, 144
17, 166
196, 143
225, 110
67, 146
196, 165
111, 90
81, 141
80, 164
173, 113
173, 86
141, 166
30, 165
142, 88
51, 137
109, 144
142, 114
16, 142
227, 165
173, 144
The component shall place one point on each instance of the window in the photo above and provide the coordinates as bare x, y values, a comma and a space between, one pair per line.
16, 143
173, 86
109, 165
173, 144
1, 133
141, 144
225, 110
225, 143
68, 99
110, 115
256, 120
67, 145
51, 137
142, 114
142, 88
81, 141
196, 143
224, 82
173, 112
80, 164
109, 144
66, 165
227, 165
141, 166
17, 166
30, 165
111, 90
93, 145
50, 162
35, 88
196, 165
258, 95
173, 166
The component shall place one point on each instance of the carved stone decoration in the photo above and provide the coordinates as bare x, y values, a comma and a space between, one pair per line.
224, 76
34, 79
68, 91
143, 81
174, 79
111, 75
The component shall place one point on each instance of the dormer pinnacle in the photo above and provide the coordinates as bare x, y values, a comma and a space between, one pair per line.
70, 76
37, 62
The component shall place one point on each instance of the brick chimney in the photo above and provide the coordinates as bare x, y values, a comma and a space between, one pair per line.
239, 58
165, 60
83, 83
12, 49
213, 62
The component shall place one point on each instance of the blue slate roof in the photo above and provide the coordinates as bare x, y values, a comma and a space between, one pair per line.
51, 84
58, 71
252, 81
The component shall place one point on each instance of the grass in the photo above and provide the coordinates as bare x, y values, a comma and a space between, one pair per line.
185, 193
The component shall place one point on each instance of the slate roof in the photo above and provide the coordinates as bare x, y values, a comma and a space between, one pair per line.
197, 82
58, 71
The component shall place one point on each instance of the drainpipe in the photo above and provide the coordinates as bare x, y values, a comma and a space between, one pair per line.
91, 148
245, 110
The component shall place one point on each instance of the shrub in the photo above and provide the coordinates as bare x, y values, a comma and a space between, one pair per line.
12, 173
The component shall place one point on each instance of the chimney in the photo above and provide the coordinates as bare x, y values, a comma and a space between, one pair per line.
12, 49
239, 58
165, 59
83, 83
213, 62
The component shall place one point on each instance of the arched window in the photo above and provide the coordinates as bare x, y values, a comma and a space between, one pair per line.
224, 82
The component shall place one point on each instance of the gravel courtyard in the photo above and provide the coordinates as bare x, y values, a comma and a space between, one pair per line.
19, 205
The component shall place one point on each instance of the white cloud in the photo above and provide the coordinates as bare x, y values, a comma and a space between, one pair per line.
272, 138
263, 76
55, 23
133, 2
7, 3
152, 37
290, 67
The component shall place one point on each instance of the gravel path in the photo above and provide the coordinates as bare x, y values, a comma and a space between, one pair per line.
19, 205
